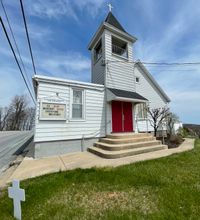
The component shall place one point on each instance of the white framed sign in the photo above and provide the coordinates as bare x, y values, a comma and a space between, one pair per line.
52, 111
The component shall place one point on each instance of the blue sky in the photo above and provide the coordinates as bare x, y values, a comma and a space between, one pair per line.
60, 30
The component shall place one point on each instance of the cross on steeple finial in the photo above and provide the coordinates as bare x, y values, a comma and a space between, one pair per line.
110, 7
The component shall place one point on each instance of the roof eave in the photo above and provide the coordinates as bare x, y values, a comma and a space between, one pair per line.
118, 98
111, 28
54, 80
111, 96
122, 33
96, 36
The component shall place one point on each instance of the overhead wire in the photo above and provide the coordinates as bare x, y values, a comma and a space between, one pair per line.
15, 42
155, 63
27, 35
15, 57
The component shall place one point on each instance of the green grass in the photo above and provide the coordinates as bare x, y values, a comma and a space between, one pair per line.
166, 188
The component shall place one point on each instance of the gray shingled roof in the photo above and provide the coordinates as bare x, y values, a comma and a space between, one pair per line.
110, 19
127, 94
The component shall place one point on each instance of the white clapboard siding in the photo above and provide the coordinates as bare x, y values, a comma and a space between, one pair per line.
146, 88
93, 124
120, 74
145, 126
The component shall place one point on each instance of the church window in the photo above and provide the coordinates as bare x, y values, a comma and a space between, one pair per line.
77, 104
119, 47
98, 51
142, 111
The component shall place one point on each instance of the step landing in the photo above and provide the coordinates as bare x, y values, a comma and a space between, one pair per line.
125, 153
120, 145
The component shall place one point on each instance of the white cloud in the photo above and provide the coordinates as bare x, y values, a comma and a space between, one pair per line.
58, 8
92, 6
72, 65
51, 9
170, 34
180, 83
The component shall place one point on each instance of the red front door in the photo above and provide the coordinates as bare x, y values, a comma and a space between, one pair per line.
128, 119
117, 116
122, 120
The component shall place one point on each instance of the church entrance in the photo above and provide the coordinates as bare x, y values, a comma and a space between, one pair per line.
122, 116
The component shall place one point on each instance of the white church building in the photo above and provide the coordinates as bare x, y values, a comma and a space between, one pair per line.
72, 115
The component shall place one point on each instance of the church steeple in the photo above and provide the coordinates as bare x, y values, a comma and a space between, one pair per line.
111, 19
111, 42
112, 24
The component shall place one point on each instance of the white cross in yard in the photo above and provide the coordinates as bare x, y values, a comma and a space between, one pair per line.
110, 7
17, 195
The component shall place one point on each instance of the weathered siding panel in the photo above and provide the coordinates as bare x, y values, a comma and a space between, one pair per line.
98, 69
94, 122
98, 72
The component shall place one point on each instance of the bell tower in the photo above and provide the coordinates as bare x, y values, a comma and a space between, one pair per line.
111, 50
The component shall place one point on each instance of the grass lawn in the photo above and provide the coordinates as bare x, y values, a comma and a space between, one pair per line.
166, 188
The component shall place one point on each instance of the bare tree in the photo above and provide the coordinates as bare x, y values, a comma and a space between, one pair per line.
157, 117
18, 115
171, 120
4, 114
29, 119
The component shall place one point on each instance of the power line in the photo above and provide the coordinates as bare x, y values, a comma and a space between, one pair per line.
9, 25
27, 35
156, 63
4, 29
172, 64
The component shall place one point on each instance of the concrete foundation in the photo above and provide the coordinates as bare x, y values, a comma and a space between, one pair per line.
52, 148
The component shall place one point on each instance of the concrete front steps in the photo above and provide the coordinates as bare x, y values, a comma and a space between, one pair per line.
126, 144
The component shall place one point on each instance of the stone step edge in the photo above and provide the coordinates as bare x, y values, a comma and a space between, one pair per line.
125, 153
122, 136
115, 147
125, 140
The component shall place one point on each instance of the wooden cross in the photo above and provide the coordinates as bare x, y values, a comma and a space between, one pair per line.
110, 7
17, 195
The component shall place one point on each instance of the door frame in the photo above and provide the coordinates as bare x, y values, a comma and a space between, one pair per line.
132, 112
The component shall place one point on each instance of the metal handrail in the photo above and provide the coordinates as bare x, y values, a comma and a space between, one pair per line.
91, 136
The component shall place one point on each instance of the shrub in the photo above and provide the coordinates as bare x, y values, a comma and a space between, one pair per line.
176, 139
182, 132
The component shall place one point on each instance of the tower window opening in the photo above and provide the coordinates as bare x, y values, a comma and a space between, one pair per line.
98, 51
119, 47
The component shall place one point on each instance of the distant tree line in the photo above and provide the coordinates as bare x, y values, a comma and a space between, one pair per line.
17, 116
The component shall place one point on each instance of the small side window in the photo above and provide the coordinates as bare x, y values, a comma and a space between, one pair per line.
137, 79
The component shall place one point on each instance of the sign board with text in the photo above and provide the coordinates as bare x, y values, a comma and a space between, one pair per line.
52, 111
